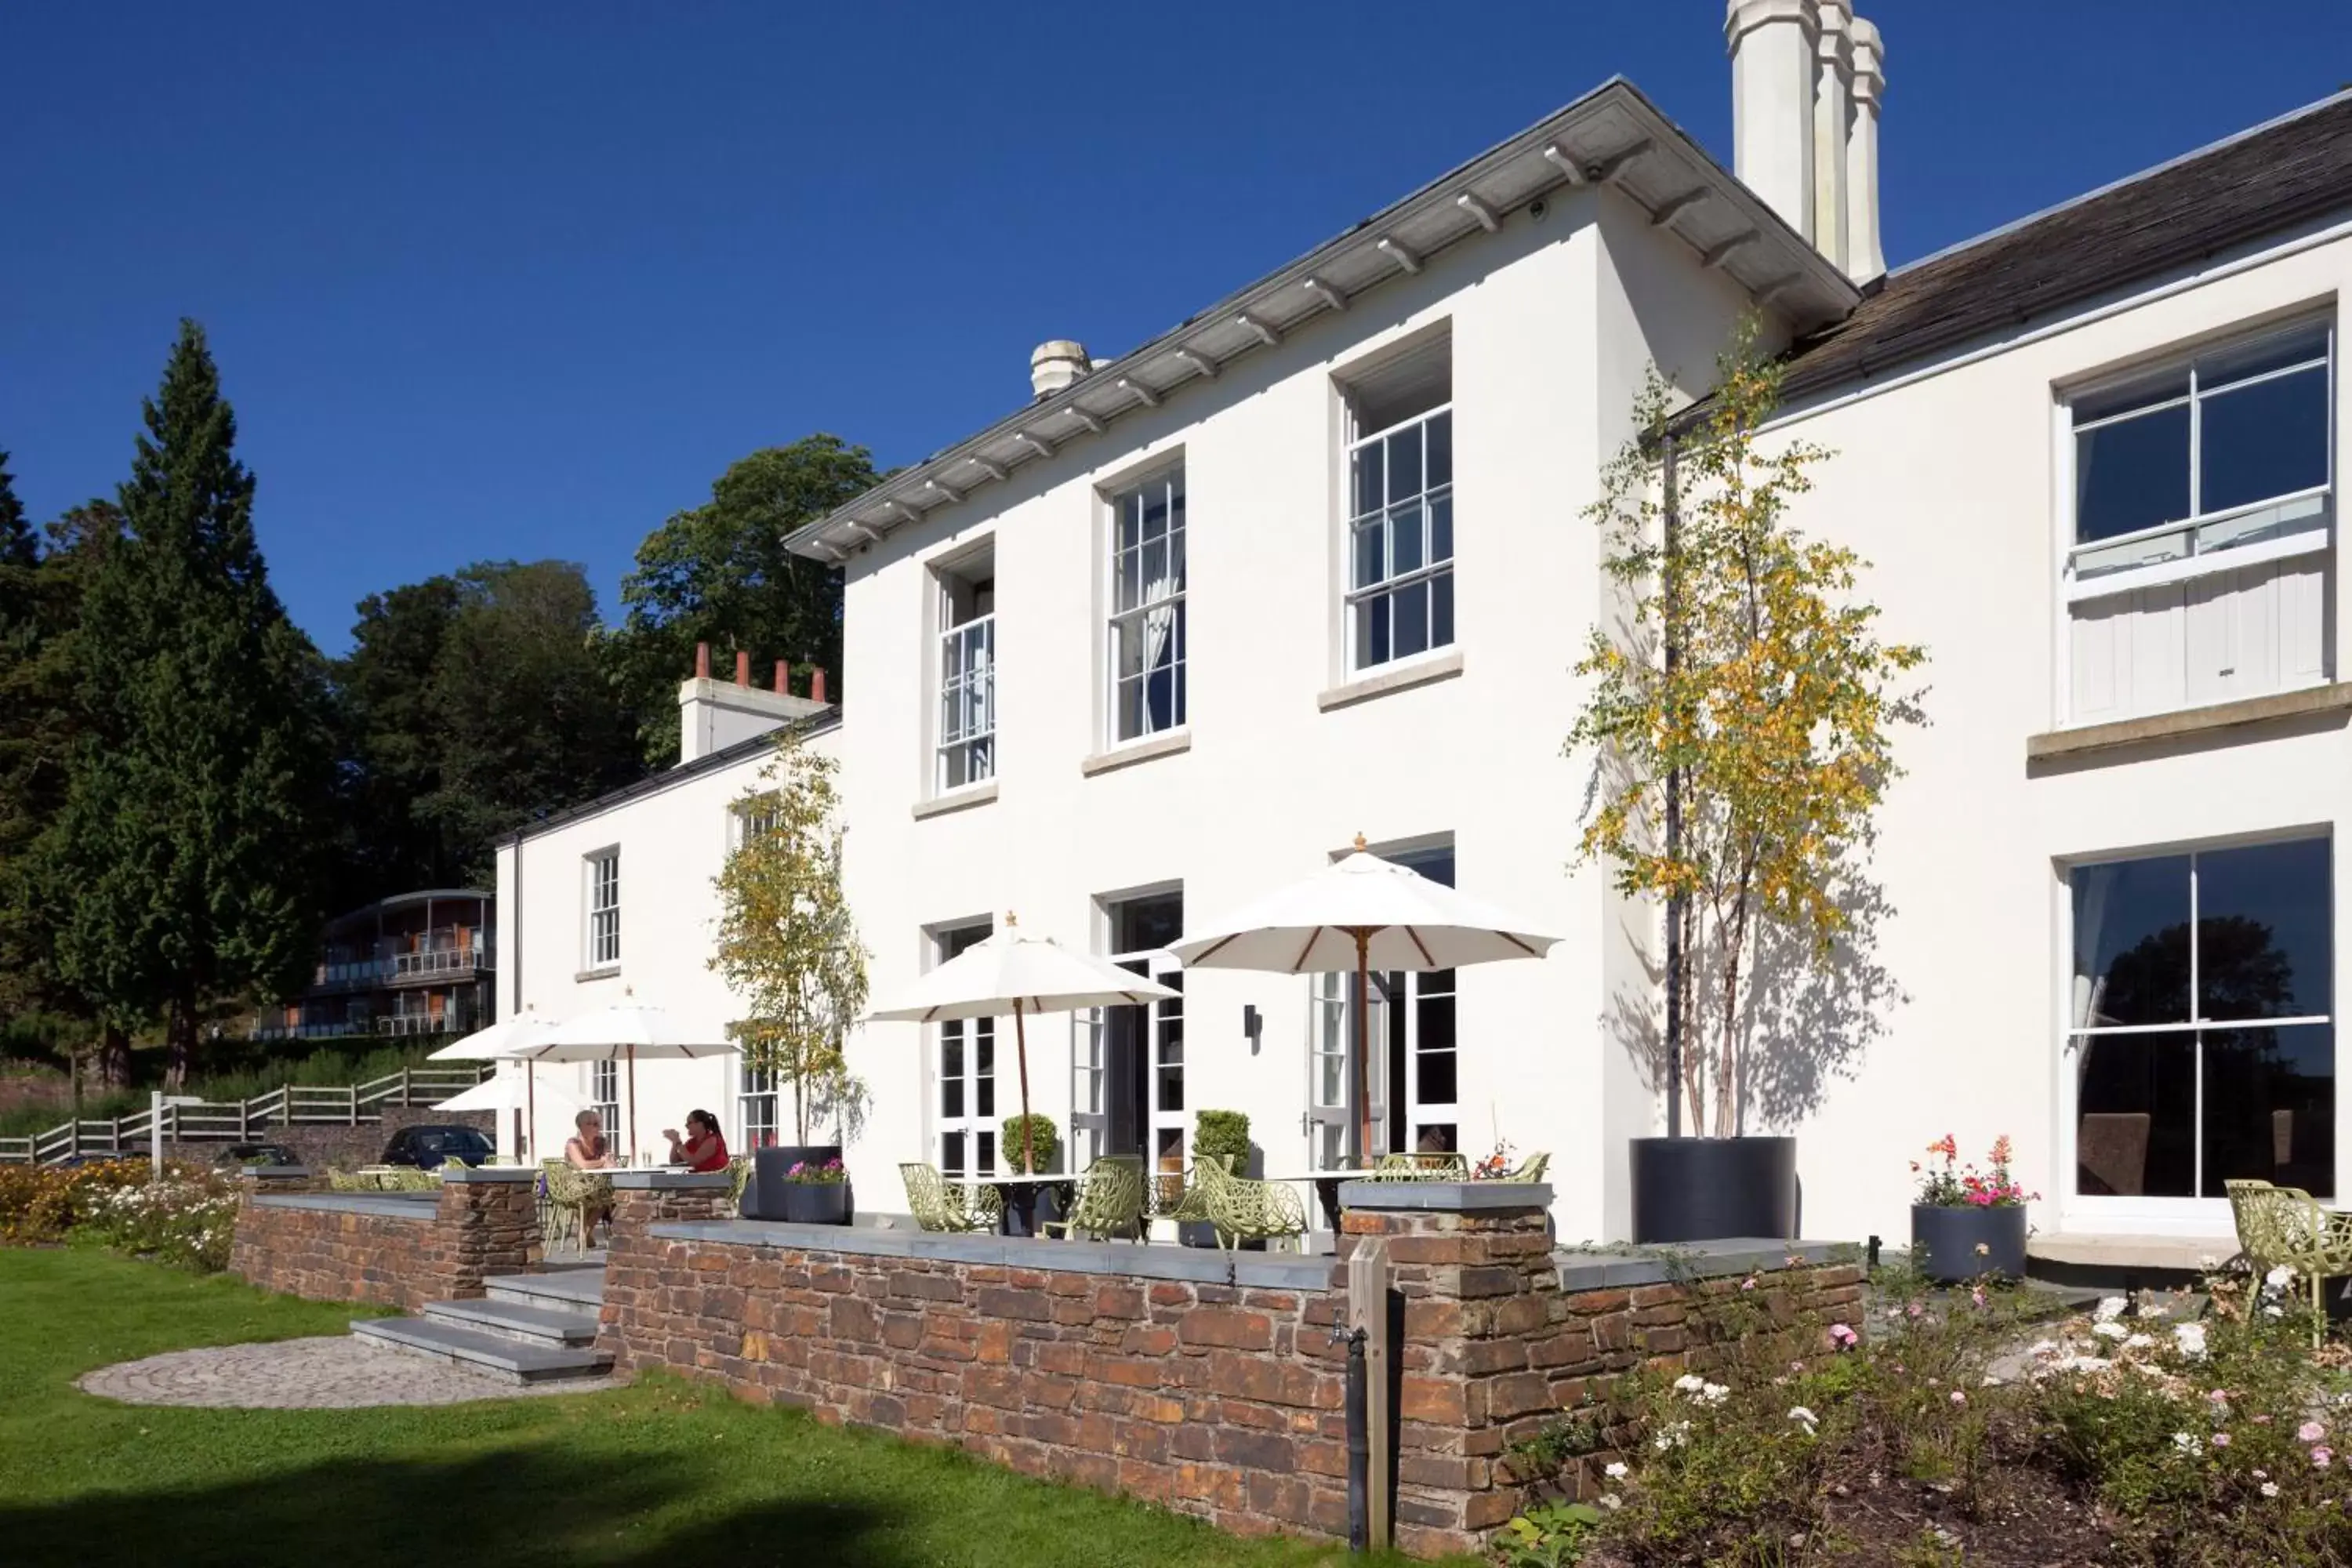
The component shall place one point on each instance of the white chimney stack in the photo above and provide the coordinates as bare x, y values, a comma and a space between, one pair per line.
1863, 258
1805, 85
1056, 364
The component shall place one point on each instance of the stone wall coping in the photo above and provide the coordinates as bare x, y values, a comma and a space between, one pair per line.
1444, 1197
265, 1173
471, 1175
671, 1180
1611, 1268
1205, 1266
422, 1208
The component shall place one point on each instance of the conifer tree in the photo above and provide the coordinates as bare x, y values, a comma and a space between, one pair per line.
196, 796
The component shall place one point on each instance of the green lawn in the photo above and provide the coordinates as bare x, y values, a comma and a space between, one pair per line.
663, 1472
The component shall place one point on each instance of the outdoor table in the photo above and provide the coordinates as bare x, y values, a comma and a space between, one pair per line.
1326, 1187
1020, 1196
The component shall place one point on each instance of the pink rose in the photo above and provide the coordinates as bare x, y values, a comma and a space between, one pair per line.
2310, 1432
2322, 1455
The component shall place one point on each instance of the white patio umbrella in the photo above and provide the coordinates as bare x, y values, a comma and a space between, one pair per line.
511, 1091
1012, 972
1364, 914
498, 1041
622, 1032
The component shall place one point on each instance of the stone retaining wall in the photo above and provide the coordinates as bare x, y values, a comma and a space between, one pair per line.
1207, 1382
392, 1249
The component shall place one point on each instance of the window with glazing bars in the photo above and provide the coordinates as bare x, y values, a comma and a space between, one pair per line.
1146, 651
1400, 507
967, 680
604, 909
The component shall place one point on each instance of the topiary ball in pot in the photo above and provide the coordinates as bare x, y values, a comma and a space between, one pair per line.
1044, 1137
1217, 1135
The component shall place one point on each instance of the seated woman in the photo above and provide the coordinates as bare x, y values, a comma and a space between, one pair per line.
586, 1149
702, 1149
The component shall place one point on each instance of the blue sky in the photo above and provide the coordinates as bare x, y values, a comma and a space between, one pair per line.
518, 281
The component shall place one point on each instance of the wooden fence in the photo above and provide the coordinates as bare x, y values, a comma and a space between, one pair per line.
295, 1105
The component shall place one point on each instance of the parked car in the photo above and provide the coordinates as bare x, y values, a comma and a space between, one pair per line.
245, 1156
428, 1148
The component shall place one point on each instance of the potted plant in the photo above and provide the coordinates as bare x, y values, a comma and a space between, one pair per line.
816, 1194
789, 948
1966, 1223
1216, 1135
1025, 1209
1738, 723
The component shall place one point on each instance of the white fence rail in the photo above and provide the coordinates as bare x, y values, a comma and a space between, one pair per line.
295, 1105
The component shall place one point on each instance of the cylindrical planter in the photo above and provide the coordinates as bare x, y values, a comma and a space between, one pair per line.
816, 1202
763, 1194
1952, 1245
1714, 1189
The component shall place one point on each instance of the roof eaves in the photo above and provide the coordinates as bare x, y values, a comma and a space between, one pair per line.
655, 783
1630, 139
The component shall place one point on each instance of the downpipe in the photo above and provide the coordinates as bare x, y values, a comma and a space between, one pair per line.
1359, 1443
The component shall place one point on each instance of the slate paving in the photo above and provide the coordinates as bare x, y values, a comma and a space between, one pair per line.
338, 1374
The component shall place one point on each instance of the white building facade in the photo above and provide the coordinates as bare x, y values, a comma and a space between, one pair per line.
1313, 564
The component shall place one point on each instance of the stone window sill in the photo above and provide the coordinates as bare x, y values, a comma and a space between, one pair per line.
961, 800
609, 972
1173, 743
2335, 698
1419, 671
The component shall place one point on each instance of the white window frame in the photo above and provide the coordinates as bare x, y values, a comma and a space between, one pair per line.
1170, 606
604, 1097
758, 1107
2296, 522
966, 677
979, 1129
2191, 1216
601, 905
1393, 583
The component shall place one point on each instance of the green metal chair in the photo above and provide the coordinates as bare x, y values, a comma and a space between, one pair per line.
1531, 1169
1243, 1210
1110, 1201
739, 1176
1425, 1167
574, 1198
938, 1205
2286, 1225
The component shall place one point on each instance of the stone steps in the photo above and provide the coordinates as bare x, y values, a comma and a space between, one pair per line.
528, 1329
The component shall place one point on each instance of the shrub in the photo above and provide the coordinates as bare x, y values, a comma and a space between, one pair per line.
45, 1203
188, 1218
1049, 1142
1222, 1134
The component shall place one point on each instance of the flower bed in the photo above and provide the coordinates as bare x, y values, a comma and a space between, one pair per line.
186, 1219
1954, 1428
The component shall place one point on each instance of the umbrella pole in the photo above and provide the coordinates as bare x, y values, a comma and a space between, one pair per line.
1364, 1045
1021, 1051
632, 1105
530, 1150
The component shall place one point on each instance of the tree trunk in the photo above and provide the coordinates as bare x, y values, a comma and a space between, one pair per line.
179, 1041
1726, 1093
114, 1058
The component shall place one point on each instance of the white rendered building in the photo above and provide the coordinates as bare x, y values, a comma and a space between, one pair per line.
1312, 564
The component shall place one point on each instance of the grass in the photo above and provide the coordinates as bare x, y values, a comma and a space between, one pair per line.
663, 1472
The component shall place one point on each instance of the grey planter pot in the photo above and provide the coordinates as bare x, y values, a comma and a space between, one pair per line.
1713, 1189
815, 1202
1945, 1242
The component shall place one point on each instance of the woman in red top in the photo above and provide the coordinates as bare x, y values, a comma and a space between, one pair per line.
702, 1149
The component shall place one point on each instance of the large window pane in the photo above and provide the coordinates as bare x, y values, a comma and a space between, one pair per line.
2264, 941
2135, 1116
1404, 465
2131, 475
2263, 440
1405, 539
1412, 612
2131, 942
2270, 1108
1441, 450
1368, 487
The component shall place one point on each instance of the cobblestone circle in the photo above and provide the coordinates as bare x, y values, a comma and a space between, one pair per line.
338, 1374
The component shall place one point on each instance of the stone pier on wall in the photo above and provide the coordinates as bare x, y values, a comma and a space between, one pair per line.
1208, 1382
393, 1249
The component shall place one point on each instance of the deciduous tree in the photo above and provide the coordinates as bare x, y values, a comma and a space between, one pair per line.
720, 573
787, 943
1745, 680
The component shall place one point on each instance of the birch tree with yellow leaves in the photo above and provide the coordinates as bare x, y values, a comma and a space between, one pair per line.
787, 944
1740, 712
